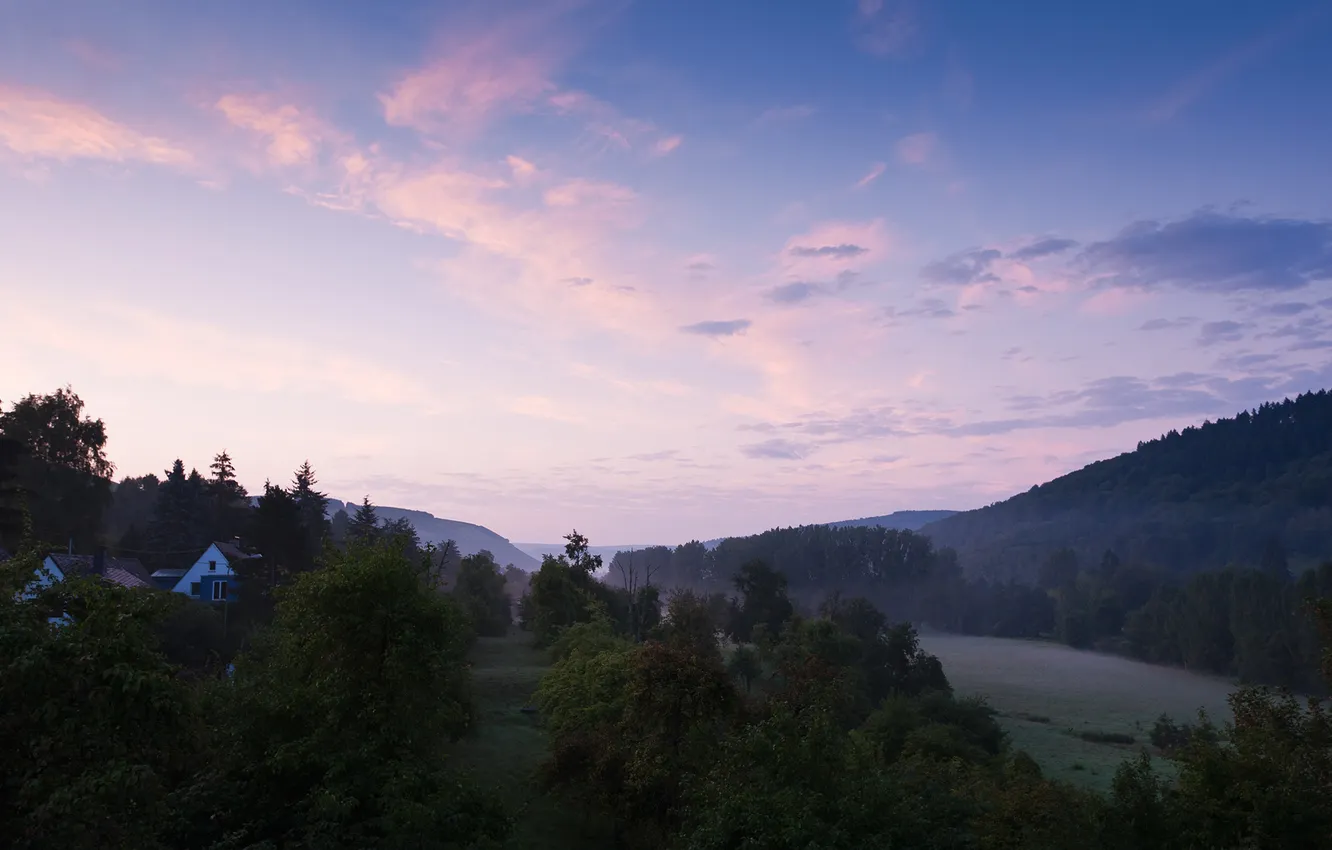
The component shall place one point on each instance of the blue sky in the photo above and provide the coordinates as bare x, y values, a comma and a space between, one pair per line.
663, 270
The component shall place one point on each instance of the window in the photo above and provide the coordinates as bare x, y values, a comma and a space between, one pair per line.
194, 588
212, 566
219, 590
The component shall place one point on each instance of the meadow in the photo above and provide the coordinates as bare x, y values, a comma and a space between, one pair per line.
1048, 694
507, 747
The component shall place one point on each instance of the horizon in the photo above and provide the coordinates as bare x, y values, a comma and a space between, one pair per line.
663, 271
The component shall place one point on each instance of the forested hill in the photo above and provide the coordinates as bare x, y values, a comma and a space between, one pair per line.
468, 537
1200, 498
901, 520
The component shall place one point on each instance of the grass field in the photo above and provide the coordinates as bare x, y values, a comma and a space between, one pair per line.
1047, 694
1046, 691
508, 746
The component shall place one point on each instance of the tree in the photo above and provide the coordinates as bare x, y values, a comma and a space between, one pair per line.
179, 524
13, 503
230, 504
97, 732
480, 589
364, 524
1273, 561
745, 664
57, 433
764, 600
61, 470
313, 506
644, 610
338, 725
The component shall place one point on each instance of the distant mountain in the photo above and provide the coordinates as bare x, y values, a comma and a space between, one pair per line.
470, 538
540, 550
895, 521
900, 520
1201, 498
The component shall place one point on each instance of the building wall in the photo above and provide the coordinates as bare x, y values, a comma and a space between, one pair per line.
198, 580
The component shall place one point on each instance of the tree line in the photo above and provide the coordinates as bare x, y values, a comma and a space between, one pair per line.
834, 729
1250, 623
1200, 498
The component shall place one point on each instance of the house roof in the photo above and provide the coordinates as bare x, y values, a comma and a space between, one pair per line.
231, 551
169, 573
4, 554
126, 572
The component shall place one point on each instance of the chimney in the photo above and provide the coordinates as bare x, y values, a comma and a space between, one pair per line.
99, 561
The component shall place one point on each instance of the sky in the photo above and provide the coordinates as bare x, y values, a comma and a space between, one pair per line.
664, 269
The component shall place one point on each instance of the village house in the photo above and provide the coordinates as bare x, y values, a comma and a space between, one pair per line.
126, 572
212, 578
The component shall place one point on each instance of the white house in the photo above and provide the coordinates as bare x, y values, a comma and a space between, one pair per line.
126, 572
212, 578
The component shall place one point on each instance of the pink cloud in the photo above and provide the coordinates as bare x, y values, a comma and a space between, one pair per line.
523, 171
873, 174
918, 148
36, 125
667, 145
1115, 301
475, 76
293, 136
579, 192
835, 246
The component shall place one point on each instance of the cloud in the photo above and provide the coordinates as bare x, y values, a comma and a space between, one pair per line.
873, 174
778, 114
963, 269
1285, 308
730, 327
129, 342
667, 145
37, 125
578, 192
651, 457
1224, 331
577, 281
541, 407
523, 171
839, 252
293, 136
794, 293
1106, 402
1166, 324
475, 76
1043, 248
1198, 84
886, 27
778, 449
1214, 252
918, 148
928, 308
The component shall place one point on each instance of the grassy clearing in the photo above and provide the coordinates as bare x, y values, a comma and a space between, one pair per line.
1072, 711
508, 746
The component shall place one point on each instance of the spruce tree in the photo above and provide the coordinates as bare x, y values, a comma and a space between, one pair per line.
364, 524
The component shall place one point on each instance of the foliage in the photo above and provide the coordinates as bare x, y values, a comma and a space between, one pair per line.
338, 722
763, 601
564, 592
479, 587
1195, 499
745, 664
57, 433
96, 731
